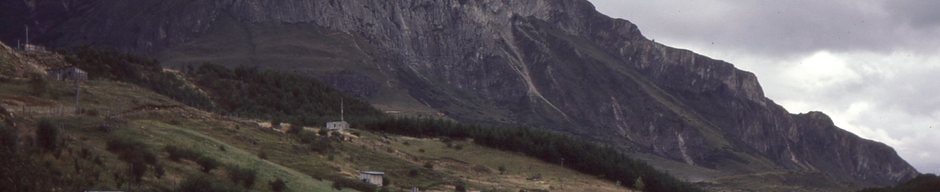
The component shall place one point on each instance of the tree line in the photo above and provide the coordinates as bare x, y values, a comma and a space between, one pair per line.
921, 183
590, 158
241, 91
147, 73
280, 96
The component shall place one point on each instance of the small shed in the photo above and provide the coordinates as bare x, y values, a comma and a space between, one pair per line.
371, 177
67, 73
30, 48
337, 125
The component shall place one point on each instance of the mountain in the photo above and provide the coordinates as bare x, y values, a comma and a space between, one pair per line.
552, 64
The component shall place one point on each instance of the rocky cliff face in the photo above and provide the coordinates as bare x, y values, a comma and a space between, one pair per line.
555, 64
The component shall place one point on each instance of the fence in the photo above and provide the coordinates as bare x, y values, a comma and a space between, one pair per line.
43, 111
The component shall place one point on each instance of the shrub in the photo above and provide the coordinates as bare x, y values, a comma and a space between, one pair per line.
262, 155
460, 187
207, 163
203, 184
278, 185
295, 129
428, 165
38, 86
7, 136
502, 169
136, 169
413, 173
135, 154
321, 146
337, 185
241, 175
176, 153
47, 135
158, 171
341, 182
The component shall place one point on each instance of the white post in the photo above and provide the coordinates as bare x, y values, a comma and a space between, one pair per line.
78, 88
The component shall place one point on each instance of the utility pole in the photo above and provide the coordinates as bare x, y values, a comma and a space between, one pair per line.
78, 88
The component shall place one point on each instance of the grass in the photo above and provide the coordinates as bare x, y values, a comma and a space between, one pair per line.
287, 158
479, 166
161, 133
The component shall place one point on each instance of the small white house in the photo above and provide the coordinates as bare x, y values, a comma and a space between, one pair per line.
337, 125
371, 177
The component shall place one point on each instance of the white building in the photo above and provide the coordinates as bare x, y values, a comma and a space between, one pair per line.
67, 73
371, 177
337, 125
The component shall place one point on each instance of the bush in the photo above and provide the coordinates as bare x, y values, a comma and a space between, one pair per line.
413, 173
207, 163
460, 187
136, 169
341, 182
7, 136
241, 175
337, 185
47, 135
321, 146
158, 171
638, 184
428, 165
38, 86
295, 129
176, 153
203, 184
278, 185
135, 154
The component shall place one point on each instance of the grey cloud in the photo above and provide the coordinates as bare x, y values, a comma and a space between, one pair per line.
784, 28
917, 13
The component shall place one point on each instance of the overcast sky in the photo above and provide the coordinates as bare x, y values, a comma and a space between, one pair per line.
872, 65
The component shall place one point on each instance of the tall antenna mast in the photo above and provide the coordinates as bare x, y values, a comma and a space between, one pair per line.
341, 112
27, 34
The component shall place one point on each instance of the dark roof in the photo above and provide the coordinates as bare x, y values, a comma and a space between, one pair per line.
372, 172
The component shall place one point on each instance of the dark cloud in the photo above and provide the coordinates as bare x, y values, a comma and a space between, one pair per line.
921, 14
784, 28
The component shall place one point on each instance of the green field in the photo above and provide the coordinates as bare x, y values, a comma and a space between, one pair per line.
156, 121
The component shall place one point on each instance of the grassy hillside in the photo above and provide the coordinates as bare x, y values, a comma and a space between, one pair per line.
121, 111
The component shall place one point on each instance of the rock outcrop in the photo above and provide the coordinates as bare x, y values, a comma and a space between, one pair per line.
554, 64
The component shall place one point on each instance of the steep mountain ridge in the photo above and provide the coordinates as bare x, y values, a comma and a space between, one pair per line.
555, 64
